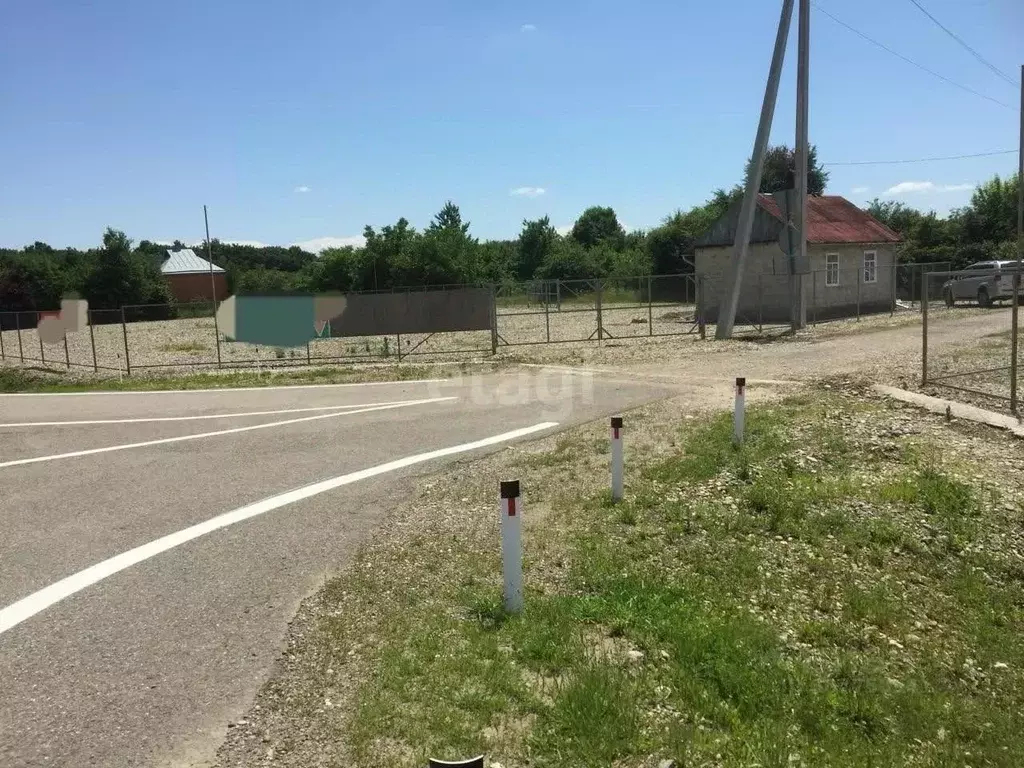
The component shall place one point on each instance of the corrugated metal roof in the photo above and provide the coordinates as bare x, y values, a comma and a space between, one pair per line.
185, 262
834, 219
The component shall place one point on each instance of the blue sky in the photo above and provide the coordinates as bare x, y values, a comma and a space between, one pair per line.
306, 120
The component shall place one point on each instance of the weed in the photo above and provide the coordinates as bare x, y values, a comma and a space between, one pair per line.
194, 347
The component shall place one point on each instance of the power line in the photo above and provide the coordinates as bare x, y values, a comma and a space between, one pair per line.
923, 68
960, 40
928, 159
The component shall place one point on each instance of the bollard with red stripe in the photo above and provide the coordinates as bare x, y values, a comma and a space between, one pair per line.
618, 468
738, 411
512, 544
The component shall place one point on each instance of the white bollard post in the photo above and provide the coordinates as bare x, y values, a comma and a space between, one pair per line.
512, 544
737, 414
618, 470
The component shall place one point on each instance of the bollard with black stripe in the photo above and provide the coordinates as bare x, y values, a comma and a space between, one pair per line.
738, 411
618, 467
511, 502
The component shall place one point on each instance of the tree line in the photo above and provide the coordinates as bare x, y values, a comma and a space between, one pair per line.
399, 255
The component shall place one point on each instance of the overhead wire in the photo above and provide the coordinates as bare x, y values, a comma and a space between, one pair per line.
961, 41
898, 55
927, 159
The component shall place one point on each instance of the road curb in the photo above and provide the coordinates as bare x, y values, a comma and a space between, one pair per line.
954, 408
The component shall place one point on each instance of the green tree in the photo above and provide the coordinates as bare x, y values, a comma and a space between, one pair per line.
537, 242
780, 167
447, 254
122, 277
992, 213
598, 225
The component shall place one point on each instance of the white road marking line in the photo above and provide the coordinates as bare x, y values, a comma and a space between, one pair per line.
217, 389
143, 420
39, 601
235, 430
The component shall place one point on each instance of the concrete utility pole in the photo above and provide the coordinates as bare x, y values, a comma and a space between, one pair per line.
1020, 253
731, 298
798, 260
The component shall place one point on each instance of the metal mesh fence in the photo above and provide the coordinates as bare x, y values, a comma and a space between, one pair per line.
983, 365
169, 336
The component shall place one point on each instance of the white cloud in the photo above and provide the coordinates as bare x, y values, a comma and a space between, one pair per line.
303, 188
527, 191
564, 230
925, 187
528, 28
860, 190
318, 244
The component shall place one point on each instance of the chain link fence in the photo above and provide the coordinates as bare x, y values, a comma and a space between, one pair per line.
140, 338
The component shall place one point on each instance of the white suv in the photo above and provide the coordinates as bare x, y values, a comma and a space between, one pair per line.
984, 282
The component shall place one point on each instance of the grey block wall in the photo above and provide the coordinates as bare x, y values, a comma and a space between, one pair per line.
765, 291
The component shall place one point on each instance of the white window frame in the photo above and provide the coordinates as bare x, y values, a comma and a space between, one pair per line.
874, 267
831, 262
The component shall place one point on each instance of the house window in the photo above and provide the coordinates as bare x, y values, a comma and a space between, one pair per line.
870, 267
831, 269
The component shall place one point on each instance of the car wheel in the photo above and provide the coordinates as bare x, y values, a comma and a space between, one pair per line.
984, 300
947, 295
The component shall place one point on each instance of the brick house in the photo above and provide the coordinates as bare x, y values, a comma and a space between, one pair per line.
188, 277
852, 260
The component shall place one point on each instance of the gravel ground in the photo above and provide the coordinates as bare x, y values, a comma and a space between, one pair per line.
301, 715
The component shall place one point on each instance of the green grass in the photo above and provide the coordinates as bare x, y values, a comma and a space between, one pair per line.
794, 600
21, 380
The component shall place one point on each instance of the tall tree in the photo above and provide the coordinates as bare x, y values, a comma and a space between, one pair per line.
537, 241
122, 277
780, 168
598, 225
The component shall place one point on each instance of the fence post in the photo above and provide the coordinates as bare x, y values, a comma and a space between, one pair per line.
814, 299
892, 285
760, 302
17, 324
398, 340
1014, 316
67, 355
860, 279
547, 313
124, 332
92, 342
3, 355
42, 354
924, 339
494, 321
701, 323
600, 319
558, 294
650, 306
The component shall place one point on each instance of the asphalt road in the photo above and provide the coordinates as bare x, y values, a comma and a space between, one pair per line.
123, 640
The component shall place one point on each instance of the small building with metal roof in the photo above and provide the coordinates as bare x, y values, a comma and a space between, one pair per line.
192, 278
852, 263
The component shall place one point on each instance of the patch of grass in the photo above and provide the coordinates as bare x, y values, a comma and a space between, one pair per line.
790, 601
594, 719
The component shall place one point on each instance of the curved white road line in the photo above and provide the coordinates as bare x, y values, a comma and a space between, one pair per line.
201, 435
39, 601
145, 420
